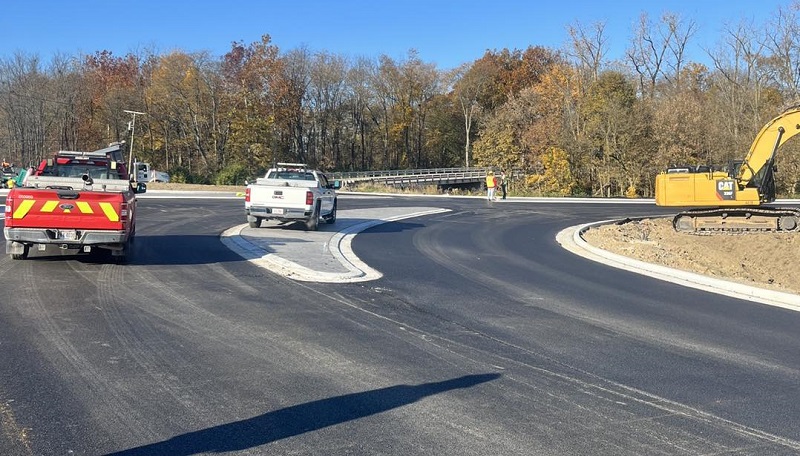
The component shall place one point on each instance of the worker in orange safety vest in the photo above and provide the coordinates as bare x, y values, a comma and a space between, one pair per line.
491, 184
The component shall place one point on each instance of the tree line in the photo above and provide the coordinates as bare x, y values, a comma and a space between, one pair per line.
572, 121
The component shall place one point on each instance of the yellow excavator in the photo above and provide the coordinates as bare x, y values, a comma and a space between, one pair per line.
732, 200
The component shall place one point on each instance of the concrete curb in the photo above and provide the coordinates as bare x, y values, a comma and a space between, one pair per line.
572, 240
339, 246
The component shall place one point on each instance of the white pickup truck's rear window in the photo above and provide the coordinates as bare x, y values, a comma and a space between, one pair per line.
293, 175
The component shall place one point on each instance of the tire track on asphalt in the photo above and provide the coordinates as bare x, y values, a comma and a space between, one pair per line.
285, 353
249, 338
100, 396
17, 435
484, 239
614, 404
138, 340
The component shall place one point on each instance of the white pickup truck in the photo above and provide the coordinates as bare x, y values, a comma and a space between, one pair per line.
291, 192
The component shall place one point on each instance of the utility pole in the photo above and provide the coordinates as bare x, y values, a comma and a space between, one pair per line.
132, 128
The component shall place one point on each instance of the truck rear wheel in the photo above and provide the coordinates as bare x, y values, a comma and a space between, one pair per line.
313, 222
331, 218
121, 256
254, 223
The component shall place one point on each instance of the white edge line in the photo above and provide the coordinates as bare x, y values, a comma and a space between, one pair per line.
571, 239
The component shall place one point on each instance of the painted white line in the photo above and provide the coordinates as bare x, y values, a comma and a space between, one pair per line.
571, 239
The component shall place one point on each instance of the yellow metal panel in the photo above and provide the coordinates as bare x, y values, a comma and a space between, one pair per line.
699, 190
22, 209
675, 189
84, 207
110, 212
49, 206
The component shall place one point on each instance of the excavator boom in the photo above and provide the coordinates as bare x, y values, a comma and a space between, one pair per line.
771, 137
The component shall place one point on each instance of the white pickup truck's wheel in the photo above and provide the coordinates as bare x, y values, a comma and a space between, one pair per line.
313, 222
254, 223
331, 218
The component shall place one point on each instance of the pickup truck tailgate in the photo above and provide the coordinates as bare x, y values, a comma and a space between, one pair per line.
70, 209
280, 197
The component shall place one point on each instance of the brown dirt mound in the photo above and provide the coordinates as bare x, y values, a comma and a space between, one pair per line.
765, 260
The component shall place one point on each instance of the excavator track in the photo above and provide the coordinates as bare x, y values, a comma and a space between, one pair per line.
738, 220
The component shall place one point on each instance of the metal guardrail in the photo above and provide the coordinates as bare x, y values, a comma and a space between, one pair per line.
437, 176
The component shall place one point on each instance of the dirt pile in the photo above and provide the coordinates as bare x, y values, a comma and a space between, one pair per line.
765, 260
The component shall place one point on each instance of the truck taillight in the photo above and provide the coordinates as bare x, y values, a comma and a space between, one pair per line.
309, 199
247, 195
9, 203
123, 212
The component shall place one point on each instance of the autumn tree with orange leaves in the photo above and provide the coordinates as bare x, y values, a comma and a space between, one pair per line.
570, 119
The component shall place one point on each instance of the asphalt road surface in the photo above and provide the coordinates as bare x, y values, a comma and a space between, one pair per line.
482, 337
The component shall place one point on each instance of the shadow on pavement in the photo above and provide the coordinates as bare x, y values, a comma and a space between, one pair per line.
302, 418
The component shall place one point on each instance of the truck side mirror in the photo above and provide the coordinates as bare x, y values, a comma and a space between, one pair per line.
336, 185
141, 187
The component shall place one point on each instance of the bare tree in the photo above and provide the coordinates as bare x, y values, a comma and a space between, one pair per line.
27, 102
783, 42
739, 82
294, 92
360, 98
589, 47
380, 82
328, 74
428, 85
469, 83
646, 53
658, 50
418, 83
681, 32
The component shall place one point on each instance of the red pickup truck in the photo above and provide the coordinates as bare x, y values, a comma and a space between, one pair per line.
80, 201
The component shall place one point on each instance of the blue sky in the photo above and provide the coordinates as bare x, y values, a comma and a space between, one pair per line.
444, 32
